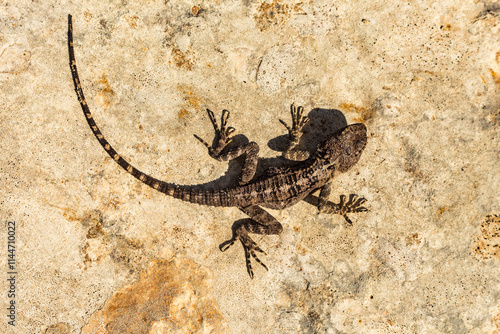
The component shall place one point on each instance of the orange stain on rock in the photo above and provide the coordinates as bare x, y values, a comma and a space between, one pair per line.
103, 98
190, 100
195, 10
276, 13
496, 320
441, 210
174, 296
413, 240
183, 112
132, 20
363, 112
495, 77
183, 60
87, 16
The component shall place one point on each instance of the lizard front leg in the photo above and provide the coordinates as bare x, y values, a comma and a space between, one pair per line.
295, 132
344, 207
260, 222
223, 137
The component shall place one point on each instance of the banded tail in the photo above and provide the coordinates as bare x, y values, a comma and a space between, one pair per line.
185, 193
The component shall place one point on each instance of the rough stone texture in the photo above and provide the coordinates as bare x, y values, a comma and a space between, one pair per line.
170, 298
93, 244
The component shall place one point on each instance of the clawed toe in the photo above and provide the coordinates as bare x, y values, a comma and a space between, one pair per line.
222, 134
229, 131
297, 116
298, 121
226, 244
202, 141
251, 253
355, 202
347, 219
223, 118
286, 125
351, 206
250, 248
224, 131
213, 120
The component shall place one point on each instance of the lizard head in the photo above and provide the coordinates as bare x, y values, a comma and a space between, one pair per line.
343, 149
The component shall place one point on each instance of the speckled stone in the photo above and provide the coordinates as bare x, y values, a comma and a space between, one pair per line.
98, 252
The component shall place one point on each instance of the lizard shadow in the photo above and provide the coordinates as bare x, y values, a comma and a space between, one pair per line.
323, 122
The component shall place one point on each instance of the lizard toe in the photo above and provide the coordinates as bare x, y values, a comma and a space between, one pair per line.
226, 244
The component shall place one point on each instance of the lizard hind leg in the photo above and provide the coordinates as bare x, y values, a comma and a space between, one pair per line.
223, 136
250, 247
261, 222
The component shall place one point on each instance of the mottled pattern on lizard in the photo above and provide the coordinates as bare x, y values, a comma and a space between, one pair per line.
277, 188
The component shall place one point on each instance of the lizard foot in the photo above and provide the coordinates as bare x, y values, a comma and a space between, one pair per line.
298, 122
222, 135
351, 206
249, 246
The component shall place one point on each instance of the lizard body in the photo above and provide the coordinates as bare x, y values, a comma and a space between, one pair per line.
276, 189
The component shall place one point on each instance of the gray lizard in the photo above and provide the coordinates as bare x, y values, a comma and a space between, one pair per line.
277, 188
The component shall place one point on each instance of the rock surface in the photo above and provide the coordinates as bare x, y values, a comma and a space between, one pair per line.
98, 252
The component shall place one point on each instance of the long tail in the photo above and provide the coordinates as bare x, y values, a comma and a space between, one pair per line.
185, 193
